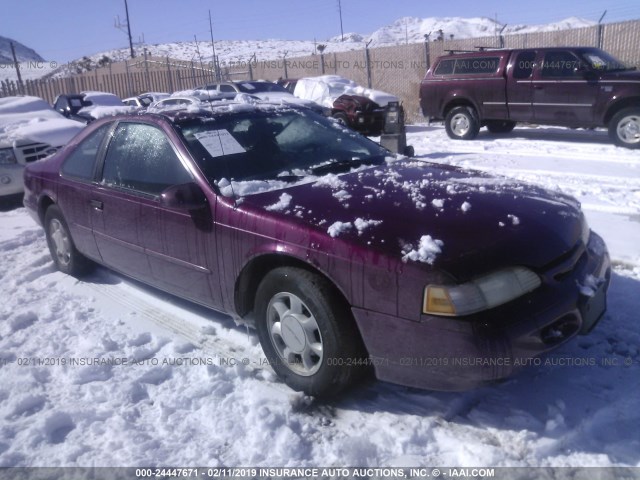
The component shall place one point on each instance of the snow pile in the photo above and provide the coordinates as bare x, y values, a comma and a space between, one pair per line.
337, 228
465, 207
427, 251
438, 203
330, 180
285, 200
342, 195
361, 224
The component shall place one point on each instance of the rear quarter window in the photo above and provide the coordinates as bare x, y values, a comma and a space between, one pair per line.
445, 67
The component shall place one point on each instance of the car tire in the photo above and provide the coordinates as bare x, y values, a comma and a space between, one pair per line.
63, 251
500, 126
624, 128
462, 123
341, 118
307, 332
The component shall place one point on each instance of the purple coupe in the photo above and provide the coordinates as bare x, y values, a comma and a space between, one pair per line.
345, 258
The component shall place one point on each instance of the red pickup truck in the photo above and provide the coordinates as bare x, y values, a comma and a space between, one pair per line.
573, 86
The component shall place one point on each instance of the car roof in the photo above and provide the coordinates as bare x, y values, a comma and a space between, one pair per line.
203, 110
488, 51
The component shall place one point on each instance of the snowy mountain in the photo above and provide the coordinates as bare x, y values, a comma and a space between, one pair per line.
413, 30
23, 53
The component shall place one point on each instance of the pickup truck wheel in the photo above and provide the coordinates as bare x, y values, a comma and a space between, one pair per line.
306, 333
624, 128
500, 126
462, 123
63, 251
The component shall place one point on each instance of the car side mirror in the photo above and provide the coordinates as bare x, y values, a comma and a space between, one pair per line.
186, 196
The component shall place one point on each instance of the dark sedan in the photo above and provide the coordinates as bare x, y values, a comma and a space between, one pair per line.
343, 257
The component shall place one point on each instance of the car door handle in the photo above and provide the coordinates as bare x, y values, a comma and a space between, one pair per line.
538, 87
96, 204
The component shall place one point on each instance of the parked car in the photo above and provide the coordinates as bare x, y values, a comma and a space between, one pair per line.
144, 99
29, 130
343, 257
178, 101
359, 108
199, 99
266, 91
89, 106
571, 86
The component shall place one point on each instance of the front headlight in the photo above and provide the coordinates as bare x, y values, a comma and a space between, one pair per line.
7, 157
480, 294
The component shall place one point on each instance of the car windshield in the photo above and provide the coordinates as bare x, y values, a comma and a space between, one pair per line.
600, 60
260, 87
283, 144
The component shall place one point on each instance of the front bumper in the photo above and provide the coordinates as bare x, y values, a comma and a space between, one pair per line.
454, 354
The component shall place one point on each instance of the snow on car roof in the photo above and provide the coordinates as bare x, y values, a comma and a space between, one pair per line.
102, 98
325, 89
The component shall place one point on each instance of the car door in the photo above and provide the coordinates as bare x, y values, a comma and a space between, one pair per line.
76, 184
170, 248
519, 87
561, 94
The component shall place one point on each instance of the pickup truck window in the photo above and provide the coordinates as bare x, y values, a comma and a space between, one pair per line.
559, 64
445, 67
523, 66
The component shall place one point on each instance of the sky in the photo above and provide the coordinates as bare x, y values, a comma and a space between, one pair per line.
64, 30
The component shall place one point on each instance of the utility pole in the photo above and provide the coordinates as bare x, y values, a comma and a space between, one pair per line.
213, 47
126, 10
17, 65
120, 26
340, 12
599, 31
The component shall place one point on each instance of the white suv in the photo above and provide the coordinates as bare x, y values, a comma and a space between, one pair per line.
29, 130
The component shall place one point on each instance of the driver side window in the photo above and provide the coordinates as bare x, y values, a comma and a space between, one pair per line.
140, 158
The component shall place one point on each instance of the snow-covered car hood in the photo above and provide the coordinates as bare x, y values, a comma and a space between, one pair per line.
327, 88
32, 119
469, 219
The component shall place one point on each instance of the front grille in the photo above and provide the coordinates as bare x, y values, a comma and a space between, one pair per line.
33, 151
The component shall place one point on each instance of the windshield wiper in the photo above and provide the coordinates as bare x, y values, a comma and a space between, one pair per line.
344, 164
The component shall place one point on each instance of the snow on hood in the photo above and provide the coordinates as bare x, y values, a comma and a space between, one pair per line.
32, 119
326, 89
55, 132
450, 217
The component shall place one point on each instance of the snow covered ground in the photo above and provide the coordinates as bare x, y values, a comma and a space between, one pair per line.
192, 389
